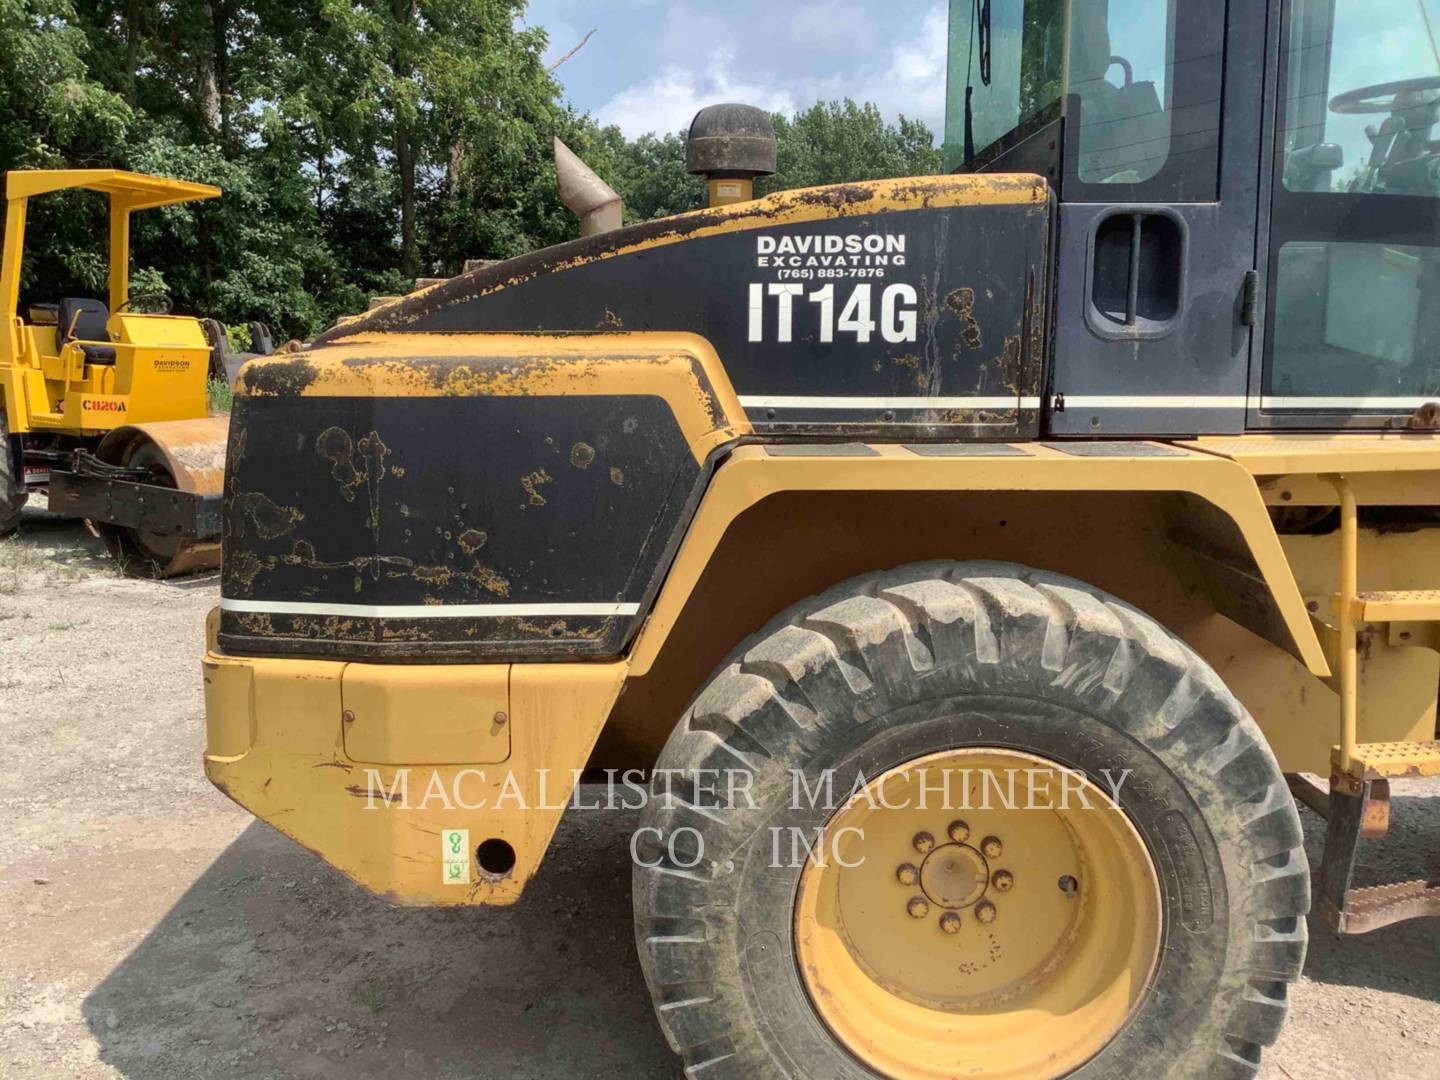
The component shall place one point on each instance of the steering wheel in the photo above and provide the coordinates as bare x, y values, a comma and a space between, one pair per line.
160, 298
1383, 97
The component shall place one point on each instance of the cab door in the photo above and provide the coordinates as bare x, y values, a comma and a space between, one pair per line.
1352, 251
1155, 289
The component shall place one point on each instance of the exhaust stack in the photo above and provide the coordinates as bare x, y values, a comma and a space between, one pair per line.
589, 198
730, 145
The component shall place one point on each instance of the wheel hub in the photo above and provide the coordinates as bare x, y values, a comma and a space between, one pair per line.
993, 933
954, 876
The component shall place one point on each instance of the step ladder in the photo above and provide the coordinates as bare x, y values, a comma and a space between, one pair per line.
1358, 804
1402, 605
1358, 808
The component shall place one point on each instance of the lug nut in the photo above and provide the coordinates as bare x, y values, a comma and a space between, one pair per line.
950, 922
992, 847
918, 907
985, 911
924, 843
1002, 880
907, 874
958, 831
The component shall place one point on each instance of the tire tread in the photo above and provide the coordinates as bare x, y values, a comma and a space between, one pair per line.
831, 659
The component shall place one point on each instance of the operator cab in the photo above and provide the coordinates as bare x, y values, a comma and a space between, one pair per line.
1248, 228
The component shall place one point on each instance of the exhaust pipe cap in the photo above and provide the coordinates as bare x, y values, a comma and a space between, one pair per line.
731, 141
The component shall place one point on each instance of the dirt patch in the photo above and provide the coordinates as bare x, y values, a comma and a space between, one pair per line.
151, 929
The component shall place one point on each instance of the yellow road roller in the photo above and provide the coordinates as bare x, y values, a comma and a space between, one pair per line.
105, 407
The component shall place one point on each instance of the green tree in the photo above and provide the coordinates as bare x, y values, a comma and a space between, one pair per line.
835, 142
360, 143
464, 111
495, 194
649, 173
51, 109
829, 143
249, 255
53, 113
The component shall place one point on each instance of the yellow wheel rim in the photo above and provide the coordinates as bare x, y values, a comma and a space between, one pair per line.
978, 913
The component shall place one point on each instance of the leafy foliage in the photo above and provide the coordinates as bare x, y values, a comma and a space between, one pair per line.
839, 141
51, 110
832, 142
220, 395
360, 143
648, 172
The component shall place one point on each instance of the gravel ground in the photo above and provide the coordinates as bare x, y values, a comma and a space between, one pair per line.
152, 929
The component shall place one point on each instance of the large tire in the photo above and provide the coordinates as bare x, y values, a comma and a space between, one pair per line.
931, 657
13, 495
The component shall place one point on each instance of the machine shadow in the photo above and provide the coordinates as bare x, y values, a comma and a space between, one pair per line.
272, 965
60, 540
62, 545
1401, 959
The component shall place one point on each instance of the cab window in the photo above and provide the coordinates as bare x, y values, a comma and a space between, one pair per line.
1006, 74
1355, 299
1120, 76
1362, 96
1138, 83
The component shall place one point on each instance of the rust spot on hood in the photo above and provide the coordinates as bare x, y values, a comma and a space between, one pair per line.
531, 483
241, 568
489, 579
433, 575
271, 520
336, 445
384, 794
962, 303
274, 377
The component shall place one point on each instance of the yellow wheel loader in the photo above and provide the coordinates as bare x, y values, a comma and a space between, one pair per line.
965, 575
104, 407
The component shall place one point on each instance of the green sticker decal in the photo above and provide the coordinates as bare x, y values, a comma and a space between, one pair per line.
455, 856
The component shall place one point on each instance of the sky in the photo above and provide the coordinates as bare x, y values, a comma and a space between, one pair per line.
653, 64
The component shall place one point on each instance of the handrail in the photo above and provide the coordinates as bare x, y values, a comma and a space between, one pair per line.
1346, 601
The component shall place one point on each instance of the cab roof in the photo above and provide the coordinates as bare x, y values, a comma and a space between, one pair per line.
136, 190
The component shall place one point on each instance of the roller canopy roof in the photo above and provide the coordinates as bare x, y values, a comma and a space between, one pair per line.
135, 190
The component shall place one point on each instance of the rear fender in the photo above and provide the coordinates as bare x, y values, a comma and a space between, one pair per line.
1225, 523
1183, 535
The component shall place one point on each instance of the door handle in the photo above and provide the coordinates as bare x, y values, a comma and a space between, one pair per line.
1137, 273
